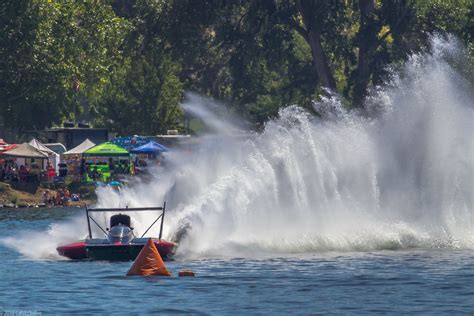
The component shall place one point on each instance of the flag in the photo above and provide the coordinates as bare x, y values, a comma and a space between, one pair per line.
76, 84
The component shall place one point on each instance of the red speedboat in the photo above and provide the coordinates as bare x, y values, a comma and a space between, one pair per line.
120, 242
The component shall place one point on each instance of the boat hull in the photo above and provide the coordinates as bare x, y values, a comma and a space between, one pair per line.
85, 250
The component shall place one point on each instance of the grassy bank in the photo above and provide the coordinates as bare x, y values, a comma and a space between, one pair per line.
12, 196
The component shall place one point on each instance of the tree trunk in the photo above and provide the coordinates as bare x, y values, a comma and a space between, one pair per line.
367, 44
313, 37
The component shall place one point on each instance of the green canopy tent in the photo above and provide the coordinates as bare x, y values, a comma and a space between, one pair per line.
106, 149
98, 156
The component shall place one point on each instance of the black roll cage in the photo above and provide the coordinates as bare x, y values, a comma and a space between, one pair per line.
126, 209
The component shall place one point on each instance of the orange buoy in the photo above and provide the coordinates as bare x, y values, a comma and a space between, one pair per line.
149, 262
183, 273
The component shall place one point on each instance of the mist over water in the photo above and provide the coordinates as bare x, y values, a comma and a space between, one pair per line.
400, 177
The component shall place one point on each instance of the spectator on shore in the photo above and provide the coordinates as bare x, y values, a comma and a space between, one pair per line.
111, 165
112, 169
95, 173
67, 195
64, 194
50, 172
23, 173
14, 174
2, 173
76, 168
45, 197
82, 169
8, 173
58, 200
35, 173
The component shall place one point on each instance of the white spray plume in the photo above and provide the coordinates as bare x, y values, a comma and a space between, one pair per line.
400, 179
217, 117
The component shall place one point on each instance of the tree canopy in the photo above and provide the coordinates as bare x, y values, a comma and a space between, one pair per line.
127, 64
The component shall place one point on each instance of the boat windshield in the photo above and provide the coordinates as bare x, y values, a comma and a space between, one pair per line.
120, 233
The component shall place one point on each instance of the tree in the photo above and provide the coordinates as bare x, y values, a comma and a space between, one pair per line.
312, 33
45, 45
133, 59
143, 95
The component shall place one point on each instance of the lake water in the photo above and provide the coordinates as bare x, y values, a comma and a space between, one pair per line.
405, 281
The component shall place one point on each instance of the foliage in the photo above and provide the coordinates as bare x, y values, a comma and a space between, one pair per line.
134, 59
44, 45
144, 98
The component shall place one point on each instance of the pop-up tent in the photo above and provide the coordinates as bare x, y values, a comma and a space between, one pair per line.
52, 156
38, 145
106, 149
25, 154
130, 142
99, 157
73, 157
151, 147
24, 150
81, 148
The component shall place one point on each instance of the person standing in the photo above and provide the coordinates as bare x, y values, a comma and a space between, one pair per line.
45, 197
76, 169
82, 169
22, 173
111, 168
50, 172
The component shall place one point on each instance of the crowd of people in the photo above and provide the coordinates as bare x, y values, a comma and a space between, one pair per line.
54, 175
80, 172
26, 174
103, 170
76, 169
11, 172
107, 171
60, 198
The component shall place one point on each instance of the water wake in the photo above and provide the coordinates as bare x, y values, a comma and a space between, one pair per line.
400, 177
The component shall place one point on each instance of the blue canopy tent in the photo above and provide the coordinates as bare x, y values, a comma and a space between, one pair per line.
151, 147
130, 142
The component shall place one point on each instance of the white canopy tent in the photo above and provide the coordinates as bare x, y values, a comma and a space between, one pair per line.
73, 157
25, 153
25, 150
80, 149
53, 157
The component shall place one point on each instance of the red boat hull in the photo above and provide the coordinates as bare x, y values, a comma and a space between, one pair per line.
81, 250
76, 250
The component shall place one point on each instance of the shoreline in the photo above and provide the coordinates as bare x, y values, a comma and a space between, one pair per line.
11, 198
80, 204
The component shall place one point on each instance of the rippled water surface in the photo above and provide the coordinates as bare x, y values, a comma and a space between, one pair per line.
418, 280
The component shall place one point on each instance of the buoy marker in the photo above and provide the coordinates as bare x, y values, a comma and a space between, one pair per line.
149, 262
186, 273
